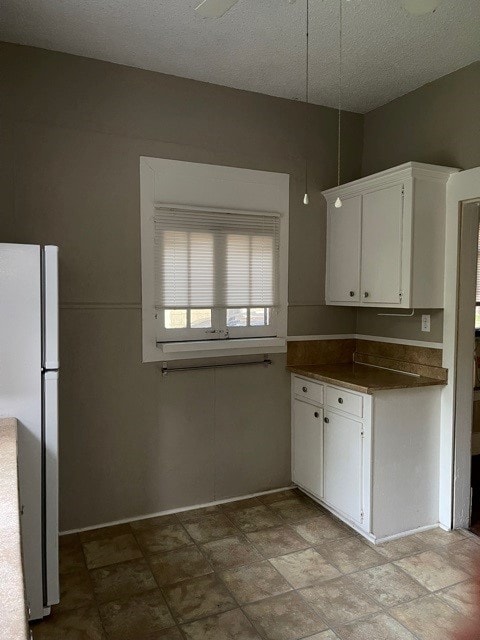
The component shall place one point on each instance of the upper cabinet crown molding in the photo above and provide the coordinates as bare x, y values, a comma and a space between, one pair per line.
389, 177
385, 245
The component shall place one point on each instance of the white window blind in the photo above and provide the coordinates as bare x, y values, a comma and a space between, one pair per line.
207, 259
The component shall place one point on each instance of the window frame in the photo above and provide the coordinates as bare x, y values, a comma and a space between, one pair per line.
273, 187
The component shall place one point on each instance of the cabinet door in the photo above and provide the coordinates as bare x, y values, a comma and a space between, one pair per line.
343, 464
382, 217
344, 240
307, 447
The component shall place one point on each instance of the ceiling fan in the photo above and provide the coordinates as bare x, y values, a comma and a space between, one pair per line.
217, 8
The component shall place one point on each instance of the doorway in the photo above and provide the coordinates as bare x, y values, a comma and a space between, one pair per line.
461, 252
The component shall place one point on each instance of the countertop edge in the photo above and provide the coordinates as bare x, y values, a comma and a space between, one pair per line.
12, 591
421, 381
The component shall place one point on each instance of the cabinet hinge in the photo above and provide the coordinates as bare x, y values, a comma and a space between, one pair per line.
362, 515
403, 192
362, 433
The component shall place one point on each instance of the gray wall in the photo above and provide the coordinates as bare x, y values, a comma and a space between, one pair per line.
438, 123
71, 132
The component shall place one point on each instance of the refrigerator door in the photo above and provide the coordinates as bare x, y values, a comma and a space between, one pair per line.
50, 498
50, 307
21, 396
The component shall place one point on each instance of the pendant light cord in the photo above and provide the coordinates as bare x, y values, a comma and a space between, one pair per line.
340, 64
307, 93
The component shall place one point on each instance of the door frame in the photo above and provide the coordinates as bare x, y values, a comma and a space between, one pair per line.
455, 436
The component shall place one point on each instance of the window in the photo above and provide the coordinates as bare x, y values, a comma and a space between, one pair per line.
216, 274
214, 260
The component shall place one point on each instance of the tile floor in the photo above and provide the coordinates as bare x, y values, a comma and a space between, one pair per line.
277, 567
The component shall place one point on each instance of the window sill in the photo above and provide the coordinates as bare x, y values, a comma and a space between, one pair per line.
218, 348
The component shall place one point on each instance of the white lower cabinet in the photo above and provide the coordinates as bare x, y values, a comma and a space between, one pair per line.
343, 464
371, 460
307, 467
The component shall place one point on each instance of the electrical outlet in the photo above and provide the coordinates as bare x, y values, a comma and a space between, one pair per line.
426, 323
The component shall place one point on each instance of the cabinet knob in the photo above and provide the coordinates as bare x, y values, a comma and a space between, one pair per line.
352, 293
327, 420
340, 401
316, 414
304, 389
366, 294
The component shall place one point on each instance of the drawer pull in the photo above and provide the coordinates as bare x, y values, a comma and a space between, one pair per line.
340, 401
366, 294
352, 293
327, 420
316, 414
304, 389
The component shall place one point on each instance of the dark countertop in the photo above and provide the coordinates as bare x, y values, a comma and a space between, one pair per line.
363, 378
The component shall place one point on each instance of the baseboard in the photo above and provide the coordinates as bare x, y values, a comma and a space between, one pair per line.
404, 534
171, 511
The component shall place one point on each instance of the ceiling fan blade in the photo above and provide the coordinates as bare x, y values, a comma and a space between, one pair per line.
214, 8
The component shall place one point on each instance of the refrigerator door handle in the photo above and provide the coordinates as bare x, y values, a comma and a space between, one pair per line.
50, 498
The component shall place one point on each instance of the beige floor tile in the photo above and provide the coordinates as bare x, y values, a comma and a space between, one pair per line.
198, 598
350, 554
68, 541
71, 556
388, 585
322, 529
463, 597
429, 618
396, 549
340, 601
226, 626
254, 582
141, 616
173, 633
324, 635
277, 541
255, 518
163, 538
230, 552
76, 590
213, 527
192, 515
178, 565
277, 496
295, 509
118, 581
432, 570
99, 553
380, 627
304, 568
438, 537
465, 555
103, 533
78, 624
239, 505
157, 521
285, 617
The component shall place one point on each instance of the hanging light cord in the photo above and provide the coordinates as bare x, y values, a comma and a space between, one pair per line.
307, 94
340, 63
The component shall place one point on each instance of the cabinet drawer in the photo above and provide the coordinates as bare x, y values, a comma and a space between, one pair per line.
308, 389
345, 401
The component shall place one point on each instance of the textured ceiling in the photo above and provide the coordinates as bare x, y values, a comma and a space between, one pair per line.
259, 44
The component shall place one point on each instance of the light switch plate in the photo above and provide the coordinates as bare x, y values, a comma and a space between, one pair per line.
426, 323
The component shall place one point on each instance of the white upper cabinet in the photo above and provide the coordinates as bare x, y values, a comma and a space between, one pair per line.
385, 245
343, 236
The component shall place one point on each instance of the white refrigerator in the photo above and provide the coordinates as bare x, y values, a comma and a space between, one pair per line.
28, 392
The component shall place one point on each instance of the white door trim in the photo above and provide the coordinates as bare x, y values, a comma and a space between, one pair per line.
455, 427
